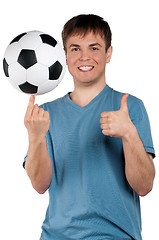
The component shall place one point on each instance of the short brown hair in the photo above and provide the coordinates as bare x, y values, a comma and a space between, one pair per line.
84, 23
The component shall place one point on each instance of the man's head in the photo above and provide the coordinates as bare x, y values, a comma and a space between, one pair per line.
83, 24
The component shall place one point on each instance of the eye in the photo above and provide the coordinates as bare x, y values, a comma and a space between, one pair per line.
94, 48
75, 49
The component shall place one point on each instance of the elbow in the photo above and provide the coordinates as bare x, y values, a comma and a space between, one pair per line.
38, 182
40, 188
143, 193
40, 191
145, 190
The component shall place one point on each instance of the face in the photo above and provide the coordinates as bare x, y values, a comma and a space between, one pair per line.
87, 57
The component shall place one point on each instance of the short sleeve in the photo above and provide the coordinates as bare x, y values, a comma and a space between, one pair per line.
25, 158
140, 119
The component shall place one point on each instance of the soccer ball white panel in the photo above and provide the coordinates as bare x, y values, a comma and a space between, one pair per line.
37, 74
12, 52
47, 87
35, 32
46, 54
14, 84
60, 54
31, 40
18, 73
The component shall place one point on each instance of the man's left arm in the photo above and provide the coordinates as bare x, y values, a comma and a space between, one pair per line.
139, 167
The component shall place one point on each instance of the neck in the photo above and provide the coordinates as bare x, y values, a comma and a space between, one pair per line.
83, 94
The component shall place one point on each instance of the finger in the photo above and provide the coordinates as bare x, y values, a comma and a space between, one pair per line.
124, 106
107, 132
105, 114
46, 114
105, 126
30, 106
41, 112
104, 120
35, 112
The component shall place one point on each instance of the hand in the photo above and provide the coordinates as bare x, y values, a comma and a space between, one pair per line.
36, 121
117, 123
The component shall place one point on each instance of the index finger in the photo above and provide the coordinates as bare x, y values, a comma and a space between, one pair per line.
105, 114
30, 106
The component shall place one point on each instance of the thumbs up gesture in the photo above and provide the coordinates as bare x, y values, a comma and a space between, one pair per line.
116, 123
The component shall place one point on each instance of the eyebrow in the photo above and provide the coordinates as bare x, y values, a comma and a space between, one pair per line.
95, 44
74, 45
91, 45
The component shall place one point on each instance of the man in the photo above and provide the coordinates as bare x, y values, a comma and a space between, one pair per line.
91, 148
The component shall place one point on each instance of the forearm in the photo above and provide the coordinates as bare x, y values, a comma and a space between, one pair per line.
38, 165
139, 167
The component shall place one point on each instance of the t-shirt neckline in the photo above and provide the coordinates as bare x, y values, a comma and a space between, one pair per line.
78, 107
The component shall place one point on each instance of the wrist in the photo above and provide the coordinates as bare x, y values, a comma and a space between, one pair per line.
130, 133
35, 141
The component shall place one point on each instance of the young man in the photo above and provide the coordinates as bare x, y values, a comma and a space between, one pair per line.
91, 148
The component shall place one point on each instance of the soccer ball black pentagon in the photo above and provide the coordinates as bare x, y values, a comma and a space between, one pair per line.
34, 62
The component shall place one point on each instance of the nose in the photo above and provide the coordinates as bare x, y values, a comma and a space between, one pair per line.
84, 55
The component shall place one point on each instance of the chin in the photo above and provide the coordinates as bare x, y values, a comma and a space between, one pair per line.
86, 81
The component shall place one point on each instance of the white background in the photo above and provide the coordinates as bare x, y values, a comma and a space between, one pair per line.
134, 69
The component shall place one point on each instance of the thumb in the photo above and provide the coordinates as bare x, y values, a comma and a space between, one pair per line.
124, 106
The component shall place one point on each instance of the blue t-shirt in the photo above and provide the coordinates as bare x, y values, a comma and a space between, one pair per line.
89, 196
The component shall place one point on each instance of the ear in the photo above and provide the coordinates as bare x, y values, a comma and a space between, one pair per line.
109, 54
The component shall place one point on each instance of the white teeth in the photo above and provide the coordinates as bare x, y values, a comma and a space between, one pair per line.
86, 68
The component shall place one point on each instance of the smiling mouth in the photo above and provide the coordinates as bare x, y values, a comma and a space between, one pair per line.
85, 68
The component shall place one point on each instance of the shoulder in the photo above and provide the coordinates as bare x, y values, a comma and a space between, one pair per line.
55, 104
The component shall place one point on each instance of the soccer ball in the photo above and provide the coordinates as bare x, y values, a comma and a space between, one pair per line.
34, 62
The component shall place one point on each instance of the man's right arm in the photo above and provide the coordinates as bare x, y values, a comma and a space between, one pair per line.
38, 163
